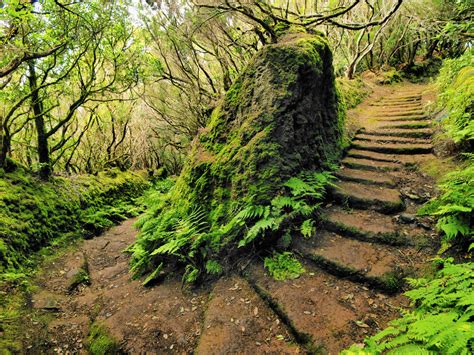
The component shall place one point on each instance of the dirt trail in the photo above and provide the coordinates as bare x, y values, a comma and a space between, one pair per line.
370, 239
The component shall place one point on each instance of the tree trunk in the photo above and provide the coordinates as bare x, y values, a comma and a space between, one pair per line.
37, 105
4, 144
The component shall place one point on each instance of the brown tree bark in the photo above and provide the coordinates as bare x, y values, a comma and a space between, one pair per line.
42, 142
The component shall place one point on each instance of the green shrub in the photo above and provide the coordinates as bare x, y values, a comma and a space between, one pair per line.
204, 245
456, 94
454, 207
353, 92
283, 266
440, 323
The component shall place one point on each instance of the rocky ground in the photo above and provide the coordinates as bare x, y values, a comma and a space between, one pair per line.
370, 239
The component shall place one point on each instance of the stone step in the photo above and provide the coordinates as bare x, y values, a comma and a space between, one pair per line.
369, 164
364, 225
401, 99
401, 108
395, 114
415, 104
414, 133
237, 320
323, 309
393, 148
386, 118
367, 154
380, 266
378, 198
390, 139
407, 125
365, 177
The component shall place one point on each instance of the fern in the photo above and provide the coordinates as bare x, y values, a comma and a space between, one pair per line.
189, 235
440, 323
307, 228
454, 207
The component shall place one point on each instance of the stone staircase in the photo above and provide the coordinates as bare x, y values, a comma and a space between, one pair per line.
363, 250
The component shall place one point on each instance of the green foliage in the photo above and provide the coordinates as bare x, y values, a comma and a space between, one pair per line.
283, 266
390, 76
34, 214
441, 323
352, 91
99, 342
204, 246
454, 207
456, 92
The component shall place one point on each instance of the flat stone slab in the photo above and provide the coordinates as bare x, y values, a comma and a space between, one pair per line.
413, 104
413, 133
391, 139
363, 196
413, 124
365, 177
367, 154
237, 320
48, 301
379, 265
369, 164
329, 313
401, 113
393, 148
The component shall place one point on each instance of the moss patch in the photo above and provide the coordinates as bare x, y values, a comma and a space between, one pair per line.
34, 213
99, 341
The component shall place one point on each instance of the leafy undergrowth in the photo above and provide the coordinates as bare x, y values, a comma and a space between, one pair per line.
283, 266
35, 214
203, 248
440, 323
456, 91
353, 92
454, 207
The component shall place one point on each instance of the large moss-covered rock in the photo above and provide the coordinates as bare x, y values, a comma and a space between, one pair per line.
281, 117
278, 119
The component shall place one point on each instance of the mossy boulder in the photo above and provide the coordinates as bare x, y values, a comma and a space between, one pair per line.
280, 117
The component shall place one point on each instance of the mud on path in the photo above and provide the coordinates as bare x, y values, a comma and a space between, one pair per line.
370, 239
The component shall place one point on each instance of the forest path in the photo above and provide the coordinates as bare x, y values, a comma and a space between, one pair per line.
369, 240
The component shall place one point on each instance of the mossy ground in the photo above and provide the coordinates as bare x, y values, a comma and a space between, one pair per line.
34, 213
99, 341
40, 220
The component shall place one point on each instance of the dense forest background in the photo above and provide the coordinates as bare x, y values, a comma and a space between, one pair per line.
92, 85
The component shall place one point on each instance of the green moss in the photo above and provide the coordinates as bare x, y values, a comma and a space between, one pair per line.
34, 213
82, 277
390, 76
353, 92
281, 117
283, 266
99, 341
